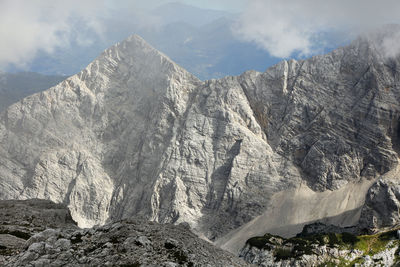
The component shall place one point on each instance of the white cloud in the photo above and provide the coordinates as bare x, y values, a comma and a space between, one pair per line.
282, 27
387, 40
27, 27
30, 26
293, 26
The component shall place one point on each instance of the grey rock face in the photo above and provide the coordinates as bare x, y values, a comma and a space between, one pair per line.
135, 134
336, 115
381, 208
321, 228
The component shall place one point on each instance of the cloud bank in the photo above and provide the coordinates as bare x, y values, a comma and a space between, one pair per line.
27, 27
284, 28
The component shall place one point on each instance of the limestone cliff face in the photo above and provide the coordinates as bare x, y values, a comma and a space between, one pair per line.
335, 116
135, 134
381, 207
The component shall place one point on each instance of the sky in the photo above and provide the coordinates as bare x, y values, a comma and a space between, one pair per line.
285, 27
281, 28
226, 5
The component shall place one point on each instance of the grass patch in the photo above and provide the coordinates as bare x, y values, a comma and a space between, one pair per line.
265, 241
295, 247
371, 244
282, 254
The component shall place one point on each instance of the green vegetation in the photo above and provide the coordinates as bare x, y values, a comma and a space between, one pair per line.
264, 241
304, 245
397, 255
300, 246
282, 254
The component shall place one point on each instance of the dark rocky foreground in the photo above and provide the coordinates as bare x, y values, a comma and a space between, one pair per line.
41, 233
22, 219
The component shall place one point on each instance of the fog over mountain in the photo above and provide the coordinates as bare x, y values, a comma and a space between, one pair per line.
201, 40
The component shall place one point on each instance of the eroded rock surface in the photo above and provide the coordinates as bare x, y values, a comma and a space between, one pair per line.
125, 243
41, 233
22, 219
381, 208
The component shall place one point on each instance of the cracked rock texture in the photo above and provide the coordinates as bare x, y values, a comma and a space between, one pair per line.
41, 233
22, 219
125, 243
135, 134
381, 208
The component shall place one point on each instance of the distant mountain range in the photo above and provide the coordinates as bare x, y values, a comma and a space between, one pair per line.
15, 86
199, 40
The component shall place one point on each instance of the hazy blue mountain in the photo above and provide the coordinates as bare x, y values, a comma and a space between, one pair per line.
199, 40
15, 86
178, 12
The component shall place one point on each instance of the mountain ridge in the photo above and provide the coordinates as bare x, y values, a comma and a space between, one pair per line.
135, 134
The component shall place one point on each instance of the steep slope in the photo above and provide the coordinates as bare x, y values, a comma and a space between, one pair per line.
135, 134
336, 117
64, 143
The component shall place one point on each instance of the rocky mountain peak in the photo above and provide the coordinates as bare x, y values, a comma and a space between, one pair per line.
136, 51
134, 134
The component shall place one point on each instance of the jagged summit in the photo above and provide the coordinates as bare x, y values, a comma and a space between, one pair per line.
85, 124
135, 50
134, 59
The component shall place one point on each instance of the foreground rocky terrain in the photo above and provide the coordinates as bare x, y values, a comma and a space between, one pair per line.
41, 233
331, 246
134, 134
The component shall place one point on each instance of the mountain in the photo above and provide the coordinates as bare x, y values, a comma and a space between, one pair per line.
134, 134
176, 12
15, 86
209, 51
